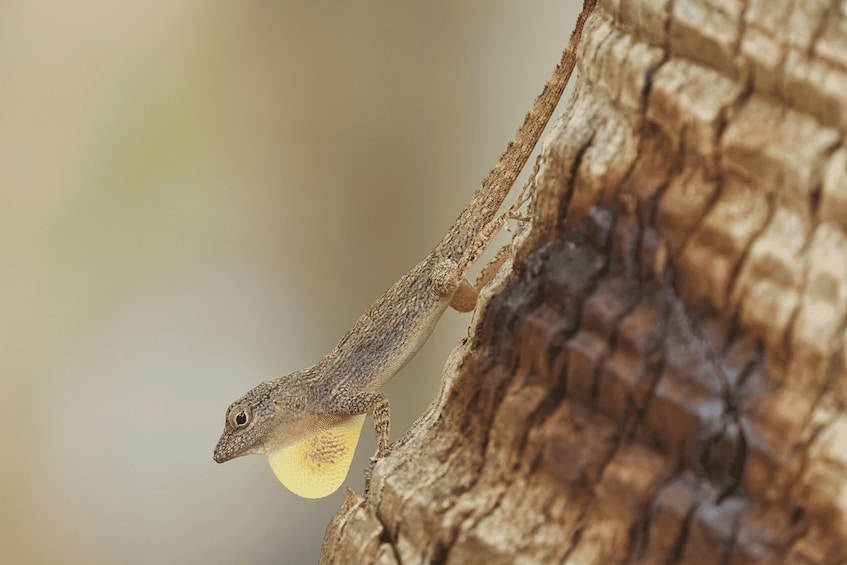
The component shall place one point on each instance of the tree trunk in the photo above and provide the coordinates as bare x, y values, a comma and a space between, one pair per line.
662, 377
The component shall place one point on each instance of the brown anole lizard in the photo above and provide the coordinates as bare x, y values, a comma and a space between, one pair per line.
308, 423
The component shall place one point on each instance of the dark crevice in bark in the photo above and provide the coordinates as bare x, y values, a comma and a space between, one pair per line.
729, 548
387, 540
742, 28
570, 182
830, 15
736, 470
679, 544
740, 263
439, 553
577, 534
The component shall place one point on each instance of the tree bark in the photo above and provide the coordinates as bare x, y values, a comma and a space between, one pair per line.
662, 377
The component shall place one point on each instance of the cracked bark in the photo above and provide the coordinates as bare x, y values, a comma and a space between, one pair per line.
662, 378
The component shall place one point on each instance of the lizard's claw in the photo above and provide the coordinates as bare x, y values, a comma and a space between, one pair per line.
380, 453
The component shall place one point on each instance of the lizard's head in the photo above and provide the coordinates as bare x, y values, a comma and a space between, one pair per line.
309, 452
262, 420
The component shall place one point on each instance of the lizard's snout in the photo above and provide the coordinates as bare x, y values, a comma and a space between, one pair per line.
222, 454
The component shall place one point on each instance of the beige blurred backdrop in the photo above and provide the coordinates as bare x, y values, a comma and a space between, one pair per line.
198, 196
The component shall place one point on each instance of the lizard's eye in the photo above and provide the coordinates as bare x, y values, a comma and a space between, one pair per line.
239, 417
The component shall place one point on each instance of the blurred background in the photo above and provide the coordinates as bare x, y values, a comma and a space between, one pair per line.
198, 196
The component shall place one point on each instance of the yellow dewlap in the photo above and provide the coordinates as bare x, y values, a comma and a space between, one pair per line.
315, 466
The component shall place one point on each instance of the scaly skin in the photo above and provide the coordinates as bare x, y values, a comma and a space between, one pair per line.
301, 409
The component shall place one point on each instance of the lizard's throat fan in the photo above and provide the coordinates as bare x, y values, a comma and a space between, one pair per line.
315, 466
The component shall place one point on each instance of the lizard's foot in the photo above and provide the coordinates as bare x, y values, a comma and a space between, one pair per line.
380, 453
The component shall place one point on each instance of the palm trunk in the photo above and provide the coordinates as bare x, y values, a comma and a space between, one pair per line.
662, 378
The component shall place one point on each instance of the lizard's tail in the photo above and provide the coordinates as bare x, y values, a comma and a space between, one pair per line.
462, 243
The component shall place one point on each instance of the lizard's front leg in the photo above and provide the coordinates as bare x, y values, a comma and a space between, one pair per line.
376, 404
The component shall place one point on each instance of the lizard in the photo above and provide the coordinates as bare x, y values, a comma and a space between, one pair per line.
307, 423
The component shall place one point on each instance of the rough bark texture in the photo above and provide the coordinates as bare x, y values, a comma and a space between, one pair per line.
662, 378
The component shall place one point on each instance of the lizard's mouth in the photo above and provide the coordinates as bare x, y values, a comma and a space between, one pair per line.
223, 452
